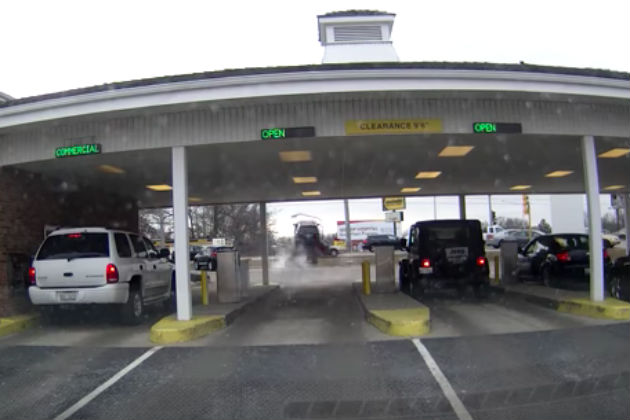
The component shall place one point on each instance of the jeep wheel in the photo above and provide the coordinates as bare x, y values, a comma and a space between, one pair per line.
547, 278
133, 310
615, 287
403, 277
480, 290
334, 252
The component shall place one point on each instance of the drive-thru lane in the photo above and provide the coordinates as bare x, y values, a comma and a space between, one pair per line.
561, 374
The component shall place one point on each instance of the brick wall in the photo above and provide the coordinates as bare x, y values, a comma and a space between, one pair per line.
28, 202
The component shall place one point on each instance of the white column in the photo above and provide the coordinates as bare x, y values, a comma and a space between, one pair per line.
346, 211
591, 182
462, 206
264, 243
434, 208
626, 209
180, 210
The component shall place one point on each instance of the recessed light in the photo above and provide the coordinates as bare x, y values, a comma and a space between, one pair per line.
311, 193
304, 179
111, 169
520, 187
455, 151
615, 153
160, 187
614, 187
195, 199
558, 174
410, 189
428, 174
295, 156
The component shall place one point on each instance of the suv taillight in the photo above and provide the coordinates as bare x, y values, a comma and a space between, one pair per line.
111, 273
563, 256
31, 275
425, 263
481, 261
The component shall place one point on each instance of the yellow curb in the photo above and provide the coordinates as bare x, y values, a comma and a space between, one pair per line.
608, 309
169, 330
408, 322
13, 324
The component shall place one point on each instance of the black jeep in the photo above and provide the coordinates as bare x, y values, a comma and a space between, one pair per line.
444, 254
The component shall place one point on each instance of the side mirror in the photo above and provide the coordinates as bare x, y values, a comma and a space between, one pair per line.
164, 253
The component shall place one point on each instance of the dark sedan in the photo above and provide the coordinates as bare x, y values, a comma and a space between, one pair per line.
552, 258
207, 259
620, 279
376, 240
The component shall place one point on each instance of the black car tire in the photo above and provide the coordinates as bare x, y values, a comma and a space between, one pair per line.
417, 291
547, 277
615, 287
132, 311
369, 248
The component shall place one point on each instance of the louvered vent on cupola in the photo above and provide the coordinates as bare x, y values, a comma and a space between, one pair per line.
357, 36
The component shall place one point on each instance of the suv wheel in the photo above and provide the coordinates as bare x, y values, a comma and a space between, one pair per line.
334, 252
615, 287
133, 310
547, 278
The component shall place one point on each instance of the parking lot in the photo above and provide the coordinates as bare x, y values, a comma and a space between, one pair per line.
305, 351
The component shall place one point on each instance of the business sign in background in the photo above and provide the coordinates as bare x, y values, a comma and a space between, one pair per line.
394, 203
393, 126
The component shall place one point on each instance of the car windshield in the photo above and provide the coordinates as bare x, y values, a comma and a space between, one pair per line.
312, 210
74, 245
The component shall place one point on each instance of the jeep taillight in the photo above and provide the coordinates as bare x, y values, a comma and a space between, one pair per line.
31, 275
425, 263
563, 256
481, 261
111, 273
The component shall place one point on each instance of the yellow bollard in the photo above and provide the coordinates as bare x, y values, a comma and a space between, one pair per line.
496, 270
204, 287
365, 275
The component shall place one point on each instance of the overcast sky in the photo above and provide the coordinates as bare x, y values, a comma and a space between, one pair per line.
48, 46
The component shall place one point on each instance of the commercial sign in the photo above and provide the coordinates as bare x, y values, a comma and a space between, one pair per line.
285, 133
394, 203
361, 229
393, 126
495, 127
78, 150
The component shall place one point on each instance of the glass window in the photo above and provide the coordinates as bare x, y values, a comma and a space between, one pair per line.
138, 246
152, 252
74, 245
122, 245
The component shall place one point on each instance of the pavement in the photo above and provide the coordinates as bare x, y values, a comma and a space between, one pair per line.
305, 351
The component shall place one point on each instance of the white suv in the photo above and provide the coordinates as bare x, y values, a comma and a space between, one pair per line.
76, 266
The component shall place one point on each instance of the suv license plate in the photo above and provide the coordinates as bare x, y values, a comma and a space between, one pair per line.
67, 296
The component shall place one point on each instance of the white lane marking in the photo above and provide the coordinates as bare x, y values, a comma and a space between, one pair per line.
111, 381
447, 389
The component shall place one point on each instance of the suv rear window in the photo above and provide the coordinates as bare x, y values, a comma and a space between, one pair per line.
74, 245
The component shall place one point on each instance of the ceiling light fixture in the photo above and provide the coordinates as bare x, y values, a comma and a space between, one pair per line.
520, 187
428, 174
558, 174
304, 179
111, 169
614, 187
455, 151
615, 153
295, 156
311, 193
410, 189
160, 187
